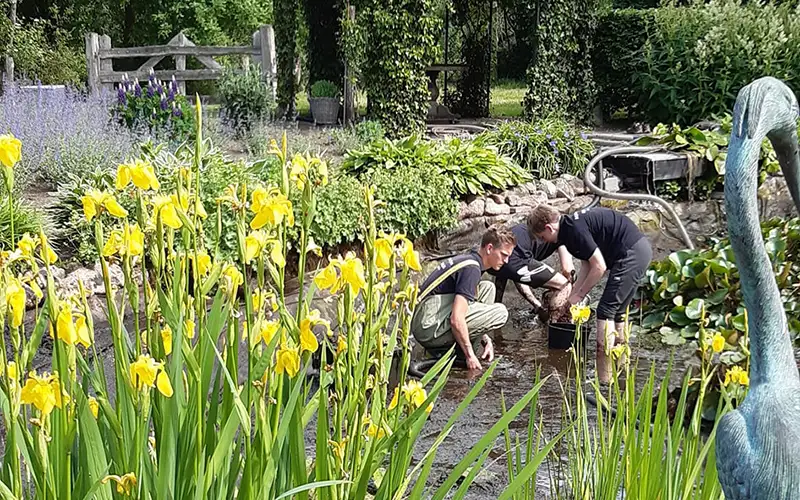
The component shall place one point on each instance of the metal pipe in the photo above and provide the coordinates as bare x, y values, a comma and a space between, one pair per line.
598, 192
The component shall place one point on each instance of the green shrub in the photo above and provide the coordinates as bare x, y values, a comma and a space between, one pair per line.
417, 201
324, 88
246, 98
42, 52
545, 148
698, 58
470, 167
340, 212
617, 58
286, 14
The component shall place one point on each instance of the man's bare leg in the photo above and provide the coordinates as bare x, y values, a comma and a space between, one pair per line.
605, 342
622, 337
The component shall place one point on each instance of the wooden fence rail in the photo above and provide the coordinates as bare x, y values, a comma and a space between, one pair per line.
100, 55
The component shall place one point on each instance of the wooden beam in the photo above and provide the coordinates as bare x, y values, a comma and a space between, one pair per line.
180, 62
161, 51
163, 74
92, 61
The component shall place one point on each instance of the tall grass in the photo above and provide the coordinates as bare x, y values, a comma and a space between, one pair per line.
636, 445
207, 395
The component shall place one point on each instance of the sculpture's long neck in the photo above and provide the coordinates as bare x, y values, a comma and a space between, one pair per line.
772, 358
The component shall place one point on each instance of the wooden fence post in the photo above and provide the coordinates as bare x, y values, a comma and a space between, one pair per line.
106, 65
349, 111
93, 61
180, 61
266, 45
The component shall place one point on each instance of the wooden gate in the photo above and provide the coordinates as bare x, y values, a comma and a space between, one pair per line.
100, 55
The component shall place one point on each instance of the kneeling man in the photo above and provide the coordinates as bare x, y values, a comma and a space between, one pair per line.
456, 307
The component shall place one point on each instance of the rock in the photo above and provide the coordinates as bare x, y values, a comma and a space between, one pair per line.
30, 298
57, 272
646, 220
494, 208
115, 274
497, 198
576, 183
534, 199
87, 276
496, 220
564, 190
562, 205
549, 189
513, 200
579, 203
523, 189
472, 209
612, 184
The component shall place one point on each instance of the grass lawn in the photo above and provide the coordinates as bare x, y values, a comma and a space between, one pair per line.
505, 99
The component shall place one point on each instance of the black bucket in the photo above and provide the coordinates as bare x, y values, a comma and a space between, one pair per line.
562, 335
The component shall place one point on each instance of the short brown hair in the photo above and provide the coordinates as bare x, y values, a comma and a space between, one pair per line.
498, 236
541, 216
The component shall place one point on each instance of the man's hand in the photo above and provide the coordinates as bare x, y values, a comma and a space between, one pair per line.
473, 363
488, 349
575, 299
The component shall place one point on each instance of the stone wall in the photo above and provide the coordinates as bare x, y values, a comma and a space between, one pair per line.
568, 194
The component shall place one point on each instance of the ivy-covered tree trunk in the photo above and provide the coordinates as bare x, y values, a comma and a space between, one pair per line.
560, 80
323, 50
471, 97
286, 20
401, 41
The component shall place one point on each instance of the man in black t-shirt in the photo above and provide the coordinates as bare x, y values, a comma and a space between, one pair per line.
456, 307
526, 267
606, 240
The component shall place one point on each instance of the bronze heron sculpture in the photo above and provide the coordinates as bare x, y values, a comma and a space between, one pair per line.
758, 444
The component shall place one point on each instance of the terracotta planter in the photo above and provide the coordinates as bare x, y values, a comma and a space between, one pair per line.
325, 110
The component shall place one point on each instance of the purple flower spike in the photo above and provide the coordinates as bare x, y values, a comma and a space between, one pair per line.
121, 96
171, 94
137, 90
150, 90
152, 75
583, 136
163, 103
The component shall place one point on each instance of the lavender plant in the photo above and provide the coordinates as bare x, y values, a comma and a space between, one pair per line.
64, 131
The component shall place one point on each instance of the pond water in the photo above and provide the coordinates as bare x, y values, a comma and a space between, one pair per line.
522, 346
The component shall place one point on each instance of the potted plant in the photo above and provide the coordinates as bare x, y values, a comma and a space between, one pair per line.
324, 101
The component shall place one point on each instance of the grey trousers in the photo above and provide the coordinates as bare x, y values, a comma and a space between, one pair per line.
431, 322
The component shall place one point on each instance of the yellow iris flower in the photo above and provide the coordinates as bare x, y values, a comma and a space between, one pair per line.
580, 313
140, 172
718, 342
166, 339
124, 484
166, 208
288, 360
10, 150
43, 392
308, 341
270, 207
15, 300
95, 201
147, 372
94, 406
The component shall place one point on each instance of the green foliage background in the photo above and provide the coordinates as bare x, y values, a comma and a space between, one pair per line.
560, 79
401, 40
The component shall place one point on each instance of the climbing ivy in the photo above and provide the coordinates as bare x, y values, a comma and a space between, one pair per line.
401, 38
286, 24
471, 97
560, 80
323, 49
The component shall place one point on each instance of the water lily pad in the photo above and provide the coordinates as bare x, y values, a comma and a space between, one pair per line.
717, 297
653, 320
678, 316
694, 309
671, 336
738, 322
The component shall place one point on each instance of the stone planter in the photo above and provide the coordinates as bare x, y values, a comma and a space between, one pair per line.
325, 110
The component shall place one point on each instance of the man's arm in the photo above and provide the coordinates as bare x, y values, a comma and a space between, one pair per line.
565, 258
458, 322
597, 267
527, 293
